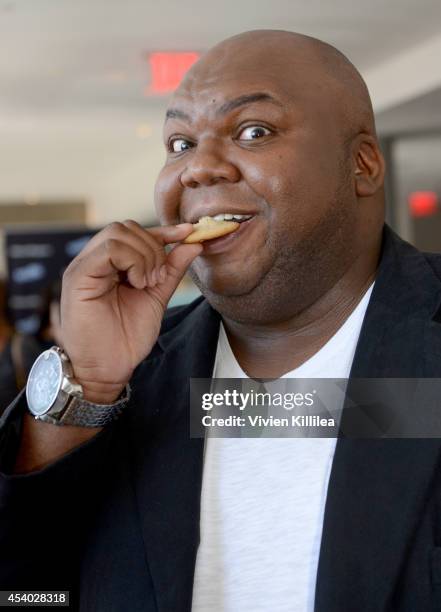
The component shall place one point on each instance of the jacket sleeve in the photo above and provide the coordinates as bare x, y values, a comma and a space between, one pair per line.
45, 515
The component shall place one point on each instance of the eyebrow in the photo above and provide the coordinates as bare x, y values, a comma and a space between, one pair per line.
227, 107
175, 113
247, 99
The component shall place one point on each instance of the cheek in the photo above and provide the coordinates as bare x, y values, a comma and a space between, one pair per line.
277, 176
167, 196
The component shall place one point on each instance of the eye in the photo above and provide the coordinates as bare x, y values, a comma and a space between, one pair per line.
178, 145
254, 132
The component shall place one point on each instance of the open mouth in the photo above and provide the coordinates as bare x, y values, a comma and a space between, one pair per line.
218, 231
229, 240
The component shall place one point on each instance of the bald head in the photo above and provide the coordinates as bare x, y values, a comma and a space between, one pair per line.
330, 79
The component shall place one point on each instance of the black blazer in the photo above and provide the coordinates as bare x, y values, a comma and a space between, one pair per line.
116, 521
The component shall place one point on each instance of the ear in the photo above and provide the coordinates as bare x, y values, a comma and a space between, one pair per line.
369, 166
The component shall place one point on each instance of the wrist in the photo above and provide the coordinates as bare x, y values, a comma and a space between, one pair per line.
102, 393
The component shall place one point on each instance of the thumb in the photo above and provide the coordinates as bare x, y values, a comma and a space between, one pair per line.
176, 265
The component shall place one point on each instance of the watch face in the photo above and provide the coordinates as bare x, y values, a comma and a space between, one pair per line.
44, 382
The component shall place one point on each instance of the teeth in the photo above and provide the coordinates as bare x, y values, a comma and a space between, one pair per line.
230, 217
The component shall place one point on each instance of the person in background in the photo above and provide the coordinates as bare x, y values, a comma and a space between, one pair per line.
5, 327
19, 351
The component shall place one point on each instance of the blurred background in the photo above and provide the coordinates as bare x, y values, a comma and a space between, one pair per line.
84, 86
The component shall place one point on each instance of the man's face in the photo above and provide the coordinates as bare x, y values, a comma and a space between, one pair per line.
256, 142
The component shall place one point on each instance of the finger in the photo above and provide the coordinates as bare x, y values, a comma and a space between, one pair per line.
167, 234
149, 240
176, 266
149, 248
117, 231
99, 271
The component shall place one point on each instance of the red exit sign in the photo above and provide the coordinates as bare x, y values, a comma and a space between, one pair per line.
168, 69
423, 203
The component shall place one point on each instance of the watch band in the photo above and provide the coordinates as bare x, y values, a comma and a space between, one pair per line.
81, 413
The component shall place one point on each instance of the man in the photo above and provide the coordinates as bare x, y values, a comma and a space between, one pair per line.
136, 515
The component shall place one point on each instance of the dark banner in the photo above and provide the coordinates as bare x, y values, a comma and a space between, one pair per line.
35, 260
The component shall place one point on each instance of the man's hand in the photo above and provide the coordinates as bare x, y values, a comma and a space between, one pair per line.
113, 300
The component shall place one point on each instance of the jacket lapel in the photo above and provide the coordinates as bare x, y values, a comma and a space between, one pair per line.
378, 488
167, 463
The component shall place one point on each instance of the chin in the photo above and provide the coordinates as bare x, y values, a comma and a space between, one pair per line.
244, 298
248, 309
213, 285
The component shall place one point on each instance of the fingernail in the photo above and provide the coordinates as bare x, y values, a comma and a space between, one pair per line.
182, 225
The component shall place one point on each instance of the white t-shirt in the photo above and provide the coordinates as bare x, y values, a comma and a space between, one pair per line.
263, 500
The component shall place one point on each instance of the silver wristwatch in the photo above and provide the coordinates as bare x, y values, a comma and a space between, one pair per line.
54, 396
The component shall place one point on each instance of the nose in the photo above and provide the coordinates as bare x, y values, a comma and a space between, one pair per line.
208, 165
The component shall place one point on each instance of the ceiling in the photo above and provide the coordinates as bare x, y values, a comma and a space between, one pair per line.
64, 54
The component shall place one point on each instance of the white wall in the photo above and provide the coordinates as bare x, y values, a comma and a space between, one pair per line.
105, 158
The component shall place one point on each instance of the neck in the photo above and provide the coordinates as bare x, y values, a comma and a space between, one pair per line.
269, 351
